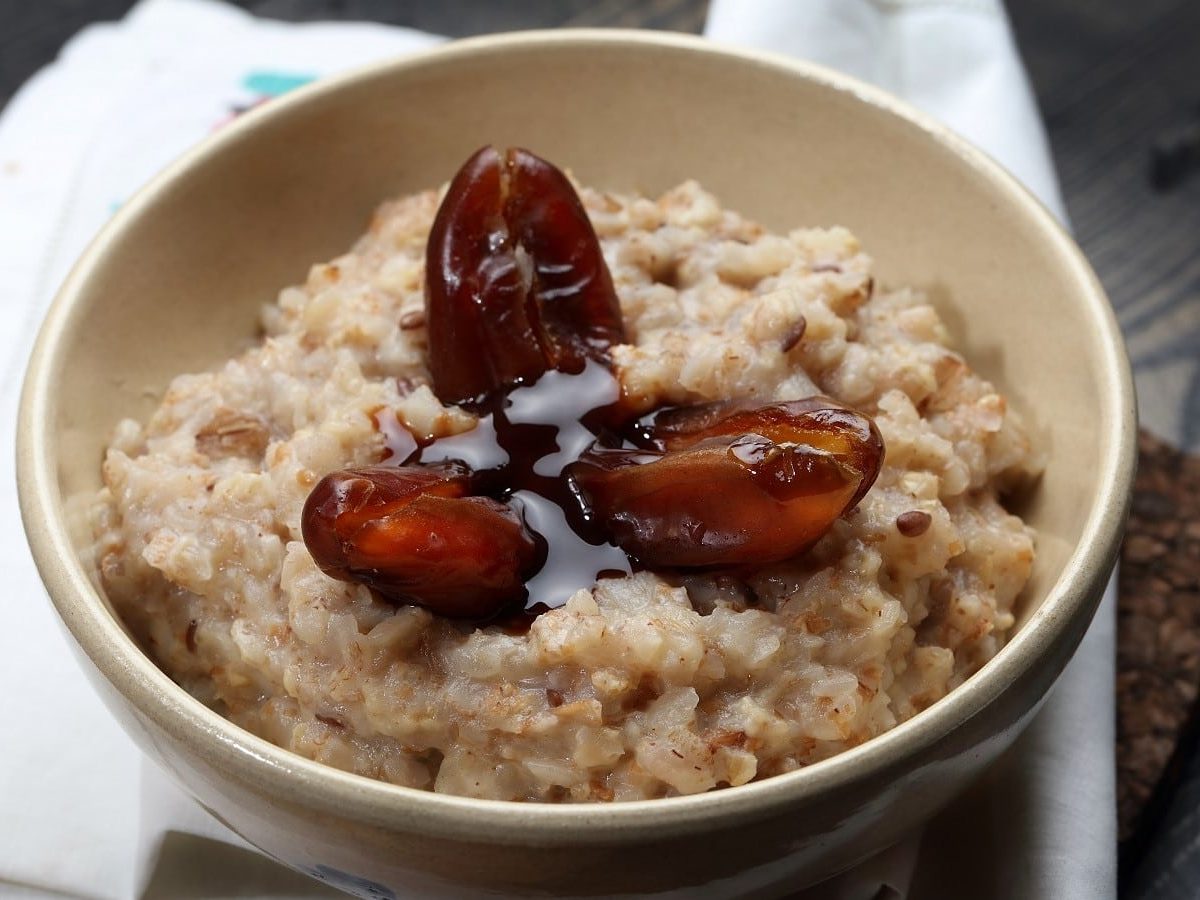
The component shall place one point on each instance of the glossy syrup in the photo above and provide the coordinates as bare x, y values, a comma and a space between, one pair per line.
523, 441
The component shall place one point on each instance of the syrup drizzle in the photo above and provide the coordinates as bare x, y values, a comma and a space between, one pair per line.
523, 441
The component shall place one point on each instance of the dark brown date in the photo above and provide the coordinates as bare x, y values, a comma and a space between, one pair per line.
717, 486
516, 283
416, 536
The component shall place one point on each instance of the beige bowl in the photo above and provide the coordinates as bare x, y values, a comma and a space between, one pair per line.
175, 282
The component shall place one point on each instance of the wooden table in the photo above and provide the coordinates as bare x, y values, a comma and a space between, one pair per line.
1119, 86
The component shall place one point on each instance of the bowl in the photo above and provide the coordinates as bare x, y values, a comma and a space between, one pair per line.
175, 282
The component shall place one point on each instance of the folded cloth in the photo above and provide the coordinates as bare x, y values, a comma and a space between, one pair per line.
83, 815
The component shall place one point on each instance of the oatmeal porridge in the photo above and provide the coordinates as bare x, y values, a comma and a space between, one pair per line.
650, 680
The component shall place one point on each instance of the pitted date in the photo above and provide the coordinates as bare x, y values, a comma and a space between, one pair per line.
416, 535
516, 283
717, 486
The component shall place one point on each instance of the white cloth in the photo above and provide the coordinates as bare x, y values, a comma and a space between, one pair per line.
80, 813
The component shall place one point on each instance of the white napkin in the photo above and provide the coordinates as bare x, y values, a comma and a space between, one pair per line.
80, 813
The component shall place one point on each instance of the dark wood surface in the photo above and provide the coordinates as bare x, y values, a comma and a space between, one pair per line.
1119, 86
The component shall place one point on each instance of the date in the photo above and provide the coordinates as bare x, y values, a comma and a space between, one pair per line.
516, 283
721, 486
416, 535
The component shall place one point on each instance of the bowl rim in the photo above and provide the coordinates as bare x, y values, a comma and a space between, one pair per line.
335, 792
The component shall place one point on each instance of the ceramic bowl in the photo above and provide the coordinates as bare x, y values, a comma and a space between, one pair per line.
175, 283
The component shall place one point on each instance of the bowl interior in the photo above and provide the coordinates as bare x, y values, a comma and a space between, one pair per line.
177, 284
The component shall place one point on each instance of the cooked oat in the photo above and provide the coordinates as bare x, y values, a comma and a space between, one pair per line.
634, 688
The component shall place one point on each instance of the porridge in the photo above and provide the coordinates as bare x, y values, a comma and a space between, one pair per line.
672, 638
